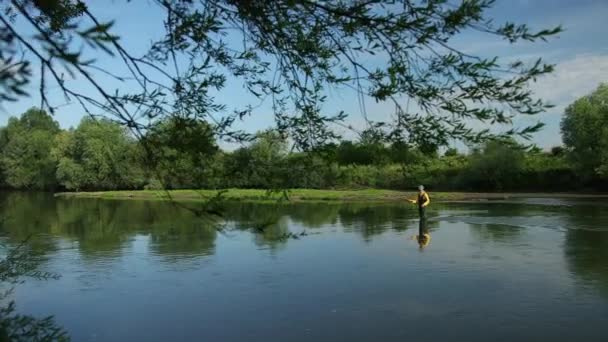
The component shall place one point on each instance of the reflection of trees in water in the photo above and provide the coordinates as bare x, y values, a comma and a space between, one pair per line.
176, 232
309, 215
268, 221
98, 226
23, 216
102, 227
315, 215
272, 234
185, 238
495, 232
508, 222
587, 256
586, 237
366, 219
369, 220
500, 208
373, 220
505, 222
106, 227
586, 244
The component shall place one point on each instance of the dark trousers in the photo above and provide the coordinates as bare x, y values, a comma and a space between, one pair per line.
422, 212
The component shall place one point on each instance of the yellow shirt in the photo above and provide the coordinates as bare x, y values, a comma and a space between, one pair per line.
424, 198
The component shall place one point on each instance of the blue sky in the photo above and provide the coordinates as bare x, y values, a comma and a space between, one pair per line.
580, 54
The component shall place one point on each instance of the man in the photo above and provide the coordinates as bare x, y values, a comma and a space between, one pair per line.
423, 200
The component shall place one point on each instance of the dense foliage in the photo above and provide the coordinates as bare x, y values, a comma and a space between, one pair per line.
102, 155
26, 144
99, 154
183, 154
585, 132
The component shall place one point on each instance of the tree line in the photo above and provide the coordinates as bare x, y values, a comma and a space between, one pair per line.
99, 154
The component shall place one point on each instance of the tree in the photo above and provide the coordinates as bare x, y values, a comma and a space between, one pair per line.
585, 132
25, 155
451, 152
261, 164
180, 153
557, 151
268, 157
291, 51
496, 166
269, 146
99, 154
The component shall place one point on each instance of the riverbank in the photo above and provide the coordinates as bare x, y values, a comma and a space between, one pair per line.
367, 195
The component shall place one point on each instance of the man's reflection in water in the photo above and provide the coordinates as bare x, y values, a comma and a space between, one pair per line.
423, 237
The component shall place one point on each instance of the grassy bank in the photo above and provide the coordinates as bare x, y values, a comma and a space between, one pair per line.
307, 195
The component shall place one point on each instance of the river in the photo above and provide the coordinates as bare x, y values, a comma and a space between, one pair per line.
525, 270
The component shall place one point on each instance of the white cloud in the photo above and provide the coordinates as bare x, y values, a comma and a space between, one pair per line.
573, 78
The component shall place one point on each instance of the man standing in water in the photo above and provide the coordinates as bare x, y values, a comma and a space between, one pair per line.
423, 200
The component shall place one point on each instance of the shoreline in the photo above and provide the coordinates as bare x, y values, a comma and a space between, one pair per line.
298, 195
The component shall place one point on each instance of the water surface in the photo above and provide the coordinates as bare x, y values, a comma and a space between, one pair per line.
150, 271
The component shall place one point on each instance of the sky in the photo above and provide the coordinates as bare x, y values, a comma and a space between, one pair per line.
580, 54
